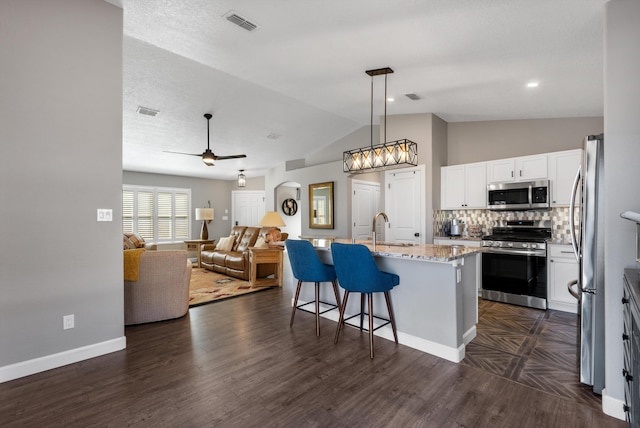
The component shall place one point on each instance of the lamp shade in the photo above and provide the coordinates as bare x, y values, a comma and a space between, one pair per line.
272, 219
204, 213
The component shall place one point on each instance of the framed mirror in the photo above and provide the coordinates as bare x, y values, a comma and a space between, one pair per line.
321, 205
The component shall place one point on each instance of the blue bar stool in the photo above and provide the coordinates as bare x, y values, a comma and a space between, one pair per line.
307, 267
358, 272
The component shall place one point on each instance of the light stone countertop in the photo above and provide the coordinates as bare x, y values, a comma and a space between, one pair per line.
422, 252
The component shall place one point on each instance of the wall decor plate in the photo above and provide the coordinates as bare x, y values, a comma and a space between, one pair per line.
289, 206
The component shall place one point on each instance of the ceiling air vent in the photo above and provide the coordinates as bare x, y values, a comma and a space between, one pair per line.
413, 97
240, 21
147, 111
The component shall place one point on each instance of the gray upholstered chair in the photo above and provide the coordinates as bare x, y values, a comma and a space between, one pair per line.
162, 290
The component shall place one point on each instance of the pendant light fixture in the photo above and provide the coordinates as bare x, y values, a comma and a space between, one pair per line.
242, 179
392, 154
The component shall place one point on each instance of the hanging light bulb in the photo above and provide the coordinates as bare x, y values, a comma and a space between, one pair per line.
242, 179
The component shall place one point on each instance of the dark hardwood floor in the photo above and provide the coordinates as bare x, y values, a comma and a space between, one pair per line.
236, 363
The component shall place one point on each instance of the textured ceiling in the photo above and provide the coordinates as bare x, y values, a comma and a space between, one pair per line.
300, 74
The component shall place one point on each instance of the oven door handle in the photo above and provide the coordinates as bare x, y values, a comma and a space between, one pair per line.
537, 253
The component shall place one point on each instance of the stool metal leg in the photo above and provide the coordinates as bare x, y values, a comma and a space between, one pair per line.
295, 303
335, 291
370, 299
361, 310
317, 309
341, 319
387, 297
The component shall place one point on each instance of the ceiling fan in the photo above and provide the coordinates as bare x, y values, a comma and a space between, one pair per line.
208, 157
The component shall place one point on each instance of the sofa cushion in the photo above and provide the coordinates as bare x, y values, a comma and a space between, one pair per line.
249, 237
219, 258
236, 261
237, 232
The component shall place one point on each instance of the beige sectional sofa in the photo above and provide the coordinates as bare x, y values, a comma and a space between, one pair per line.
162, 289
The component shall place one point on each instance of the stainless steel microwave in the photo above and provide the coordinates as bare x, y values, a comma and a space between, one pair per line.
522, 195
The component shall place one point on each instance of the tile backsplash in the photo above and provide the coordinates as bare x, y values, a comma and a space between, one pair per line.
559, 217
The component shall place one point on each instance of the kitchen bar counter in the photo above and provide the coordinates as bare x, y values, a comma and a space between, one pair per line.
435, 305
421, 252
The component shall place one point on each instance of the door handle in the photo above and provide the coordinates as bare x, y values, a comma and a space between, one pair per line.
417, 234
570, 285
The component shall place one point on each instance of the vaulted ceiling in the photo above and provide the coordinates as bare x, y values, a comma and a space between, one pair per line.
297, 82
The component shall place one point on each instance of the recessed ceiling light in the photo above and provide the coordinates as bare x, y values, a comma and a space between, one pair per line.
390, 99
533, 84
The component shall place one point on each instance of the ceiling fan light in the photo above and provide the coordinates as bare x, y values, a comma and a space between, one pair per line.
208, 158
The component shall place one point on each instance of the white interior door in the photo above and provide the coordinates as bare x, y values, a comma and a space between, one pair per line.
404, 205
247, 207
365, 203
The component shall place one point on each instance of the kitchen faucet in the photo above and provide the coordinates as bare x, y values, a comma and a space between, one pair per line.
373, 228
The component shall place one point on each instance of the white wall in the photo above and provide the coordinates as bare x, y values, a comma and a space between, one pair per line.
314, 174
61, 160
622, 173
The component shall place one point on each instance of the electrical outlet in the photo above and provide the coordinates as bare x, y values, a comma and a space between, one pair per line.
68, 322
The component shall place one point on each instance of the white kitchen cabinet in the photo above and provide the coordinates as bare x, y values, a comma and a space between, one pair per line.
562, 172
562, 268
464, 186
525, 168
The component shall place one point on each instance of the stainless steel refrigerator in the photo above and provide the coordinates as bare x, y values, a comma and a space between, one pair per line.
588, 246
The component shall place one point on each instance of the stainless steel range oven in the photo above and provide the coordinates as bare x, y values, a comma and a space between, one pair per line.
514, 263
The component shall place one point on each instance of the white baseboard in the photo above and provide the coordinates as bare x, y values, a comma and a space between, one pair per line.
448, 353
48, 362
612, 406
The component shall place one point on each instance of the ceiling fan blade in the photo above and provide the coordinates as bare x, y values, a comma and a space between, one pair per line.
230, 157
181, 153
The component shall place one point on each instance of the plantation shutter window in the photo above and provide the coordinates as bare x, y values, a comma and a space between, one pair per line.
157, 214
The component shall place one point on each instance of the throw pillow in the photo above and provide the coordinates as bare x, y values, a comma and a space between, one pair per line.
261, 243
225, 243
127, 244
136, 239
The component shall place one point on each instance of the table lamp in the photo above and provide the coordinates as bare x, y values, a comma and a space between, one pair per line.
204, 214
273, 220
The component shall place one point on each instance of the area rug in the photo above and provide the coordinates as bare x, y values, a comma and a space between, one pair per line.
207, 287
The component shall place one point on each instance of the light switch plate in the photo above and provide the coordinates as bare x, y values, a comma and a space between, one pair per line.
105, 214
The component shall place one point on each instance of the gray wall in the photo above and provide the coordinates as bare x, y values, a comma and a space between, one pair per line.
61, 160
622, 174
481, 141
202, 190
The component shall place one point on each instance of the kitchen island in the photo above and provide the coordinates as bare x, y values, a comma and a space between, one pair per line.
436, 303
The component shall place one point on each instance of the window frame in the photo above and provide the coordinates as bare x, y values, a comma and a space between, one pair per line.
155, 190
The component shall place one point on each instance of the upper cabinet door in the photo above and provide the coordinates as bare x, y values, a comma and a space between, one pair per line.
524, 168
531, 168
563, 167
476, 185
452, 187
500, 171
464, 186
